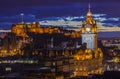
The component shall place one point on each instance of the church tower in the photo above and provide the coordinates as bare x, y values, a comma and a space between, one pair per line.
89, 31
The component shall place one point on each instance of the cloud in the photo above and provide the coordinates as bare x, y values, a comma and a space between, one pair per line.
101, 19
69, 18
61, 22
104, 22
7, 21
5, 25
98, 15
114, 19
18, 16
103, 28
71, 21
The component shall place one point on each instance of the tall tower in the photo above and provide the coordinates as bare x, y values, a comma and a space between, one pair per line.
89, 31
85, 60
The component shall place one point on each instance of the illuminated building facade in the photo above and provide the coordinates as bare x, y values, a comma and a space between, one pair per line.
88, 59
89, 31
58, 62
22, 29
19, 29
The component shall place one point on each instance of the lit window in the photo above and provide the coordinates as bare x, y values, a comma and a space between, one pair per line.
53, 63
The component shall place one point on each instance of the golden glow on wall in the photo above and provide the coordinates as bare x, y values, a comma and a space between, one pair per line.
88, 61
89, 23
21, 29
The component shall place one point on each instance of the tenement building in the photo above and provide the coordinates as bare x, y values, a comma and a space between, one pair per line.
88, 59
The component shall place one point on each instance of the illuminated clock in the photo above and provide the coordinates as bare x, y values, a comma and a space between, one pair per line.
88, 29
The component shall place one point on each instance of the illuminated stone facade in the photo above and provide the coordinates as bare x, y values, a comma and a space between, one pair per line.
19, 29
88, 59
22, 29
89, 32
88, 62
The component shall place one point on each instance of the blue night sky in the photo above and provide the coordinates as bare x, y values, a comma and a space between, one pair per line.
61, 12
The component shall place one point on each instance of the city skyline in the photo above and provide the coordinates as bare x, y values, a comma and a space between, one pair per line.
69, 13
66, 39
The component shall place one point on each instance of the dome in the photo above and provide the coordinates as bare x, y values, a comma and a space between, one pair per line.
89, 14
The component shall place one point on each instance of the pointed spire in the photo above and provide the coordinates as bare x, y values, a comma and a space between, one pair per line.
89, 12
89, 7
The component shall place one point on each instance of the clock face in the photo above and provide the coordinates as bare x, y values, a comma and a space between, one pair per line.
88, 29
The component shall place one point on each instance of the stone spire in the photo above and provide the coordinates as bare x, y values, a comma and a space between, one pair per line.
89, 12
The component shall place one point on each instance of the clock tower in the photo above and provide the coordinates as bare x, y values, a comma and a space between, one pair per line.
89, 31
85, 58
